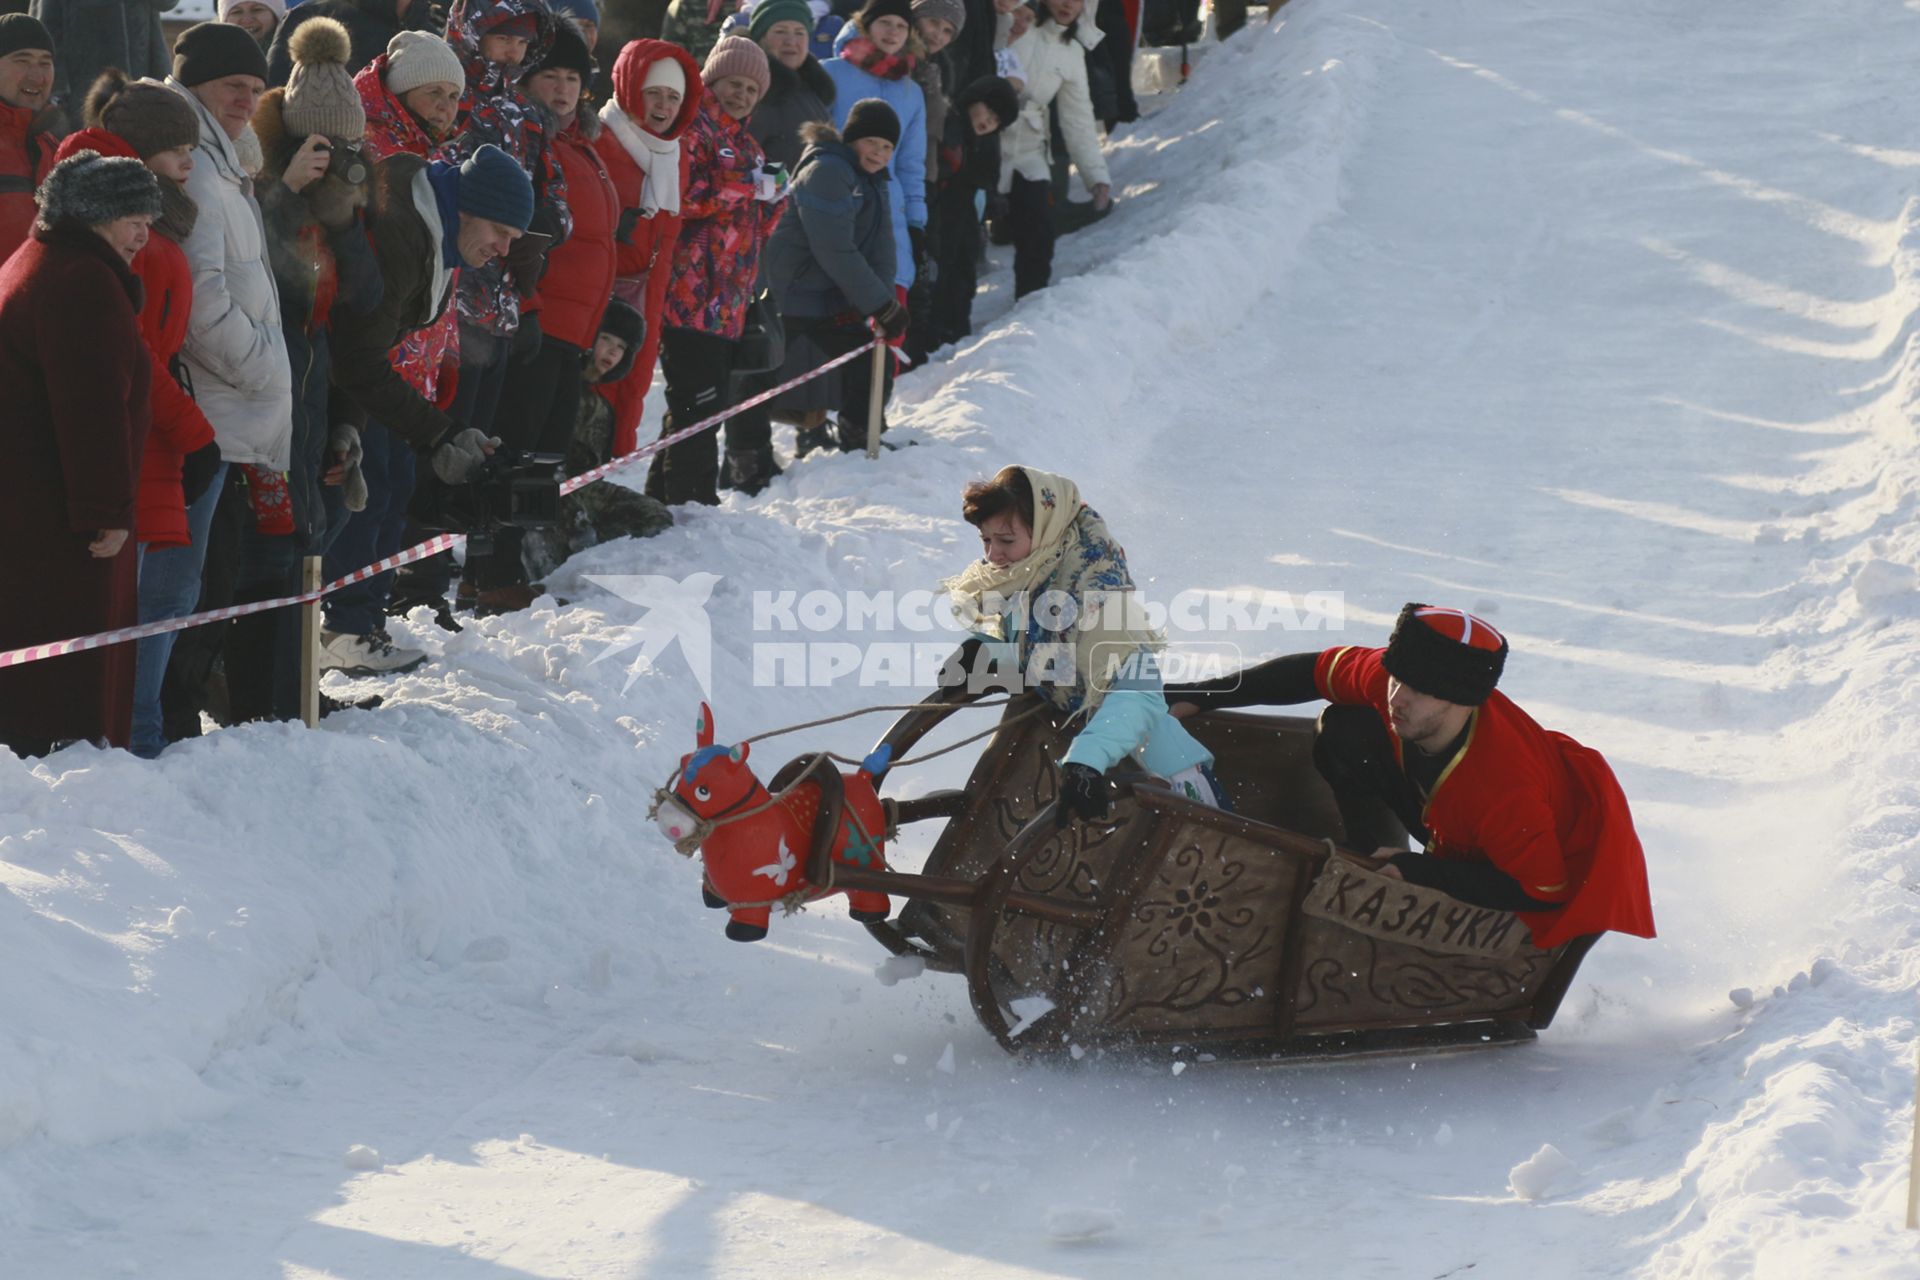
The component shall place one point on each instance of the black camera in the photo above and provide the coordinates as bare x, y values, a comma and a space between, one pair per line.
514, 488
346, 162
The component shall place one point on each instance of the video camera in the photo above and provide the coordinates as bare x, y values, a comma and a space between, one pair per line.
515, 488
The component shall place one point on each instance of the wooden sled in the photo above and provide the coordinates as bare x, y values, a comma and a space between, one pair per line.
1181, 928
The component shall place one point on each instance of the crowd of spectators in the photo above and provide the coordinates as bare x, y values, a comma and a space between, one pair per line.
278, 290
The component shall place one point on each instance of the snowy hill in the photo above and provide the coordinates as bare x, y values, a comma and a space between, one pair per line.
1599, 321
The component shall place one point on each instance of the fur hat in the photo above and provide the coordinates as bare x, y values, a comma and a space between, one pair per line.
994, 93
737, 56
901, 9
625, 323
871, 118
568, 51
320, 94
150, 116
92, 190
768, 12
1446, 654
415, 58
954, 11
215, 50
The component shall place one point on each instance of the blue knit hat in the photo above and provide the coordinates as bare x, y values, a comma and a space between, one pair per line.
584, 10
493, 187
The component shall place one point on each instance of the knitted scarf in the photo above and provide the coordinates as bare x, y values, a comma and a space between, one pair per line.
1075, 555
865, 54
658, 159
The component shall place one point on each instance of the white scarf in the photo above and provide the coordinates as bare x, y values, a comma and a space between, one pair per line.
658, 158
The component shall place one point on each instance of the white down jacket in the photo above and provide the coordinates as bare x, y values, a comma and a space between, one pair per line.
1055, 63
234, 349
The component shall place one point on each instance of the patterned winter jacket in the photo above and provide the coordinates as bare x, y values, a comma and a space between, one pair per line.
429, 358
494, 110
723, 229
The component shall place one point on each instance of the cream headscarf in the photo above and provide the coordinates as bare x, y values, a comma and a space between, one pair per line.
1072, 553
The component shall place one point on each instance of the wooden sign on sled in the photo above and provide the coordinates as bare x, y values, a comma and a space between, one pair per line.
1184, 928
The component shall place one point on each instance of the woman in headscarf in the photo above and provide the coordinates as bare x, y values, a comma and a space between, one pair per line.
1053, 594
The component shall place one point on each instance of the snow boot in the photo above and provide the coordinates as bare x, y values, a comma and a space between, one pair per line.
745, 932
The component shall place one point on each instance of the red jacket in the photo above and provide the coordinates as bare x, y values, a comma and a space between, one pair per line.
26, 156
648, 241
1536, 804
178, 425
179, 428
579, 278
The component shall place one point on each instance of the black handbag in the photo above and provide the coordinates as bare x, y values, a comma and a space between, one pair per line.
763, 343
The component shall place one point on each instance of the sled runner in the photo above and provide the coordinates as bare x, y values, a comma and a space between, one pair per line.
1177, 927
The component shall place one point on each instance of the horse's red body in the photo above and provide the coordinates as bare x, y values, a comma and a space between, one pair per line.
755, 860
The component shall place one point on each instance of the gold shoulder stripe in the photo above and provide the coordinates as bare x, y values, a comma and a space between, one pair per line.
1326, 685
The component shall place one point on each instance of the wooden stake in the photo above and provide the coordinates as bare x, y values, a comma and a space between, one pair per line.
876, 398
1913, 1166
310, 580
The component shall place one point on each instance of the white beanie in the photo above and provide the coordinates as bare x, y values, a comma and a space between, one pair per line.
666, 73
415, 58
279, 8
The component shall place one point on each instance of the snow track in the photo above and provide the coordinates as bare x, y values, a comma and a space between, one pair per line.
1601, 322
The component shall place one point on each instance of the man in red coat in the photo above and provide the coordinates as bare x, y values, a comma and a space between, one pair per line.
26, 108
1513, 816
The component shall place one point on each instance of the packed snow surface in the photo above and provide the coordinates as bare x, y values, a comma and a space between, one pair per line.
1597, 320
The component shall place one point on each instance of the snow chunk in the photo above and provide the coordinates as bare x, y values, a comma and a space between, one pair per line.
1535, 1176
1443, 1135
1028, 1010
1178, 1067
1742, 997
1080, 1223
179, 922
364, 1158
946, 1059
896, 968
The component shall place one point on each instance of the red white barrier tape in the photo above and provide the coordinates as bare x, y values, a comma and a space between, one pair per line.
606, 469
431, 547
34, 653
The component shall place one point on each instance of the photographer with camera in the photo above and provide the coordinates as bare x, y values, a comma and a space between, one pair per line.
426, 219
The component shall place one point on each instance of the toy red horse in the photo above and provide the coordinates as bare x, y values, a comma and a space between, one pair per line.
755, 845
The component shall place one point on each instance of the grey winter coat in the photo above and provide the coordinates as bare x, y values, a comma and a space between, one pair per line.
235, 351
91, 35
834, 251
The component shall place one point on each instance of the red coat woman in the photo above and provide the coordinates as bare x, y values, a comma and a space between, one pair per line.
648, 167
179, 428
74, 375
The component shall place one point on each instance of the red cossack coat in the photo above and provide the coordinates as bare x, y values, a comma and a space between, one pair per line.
74, 376
642, 243
579, 278
1538, 805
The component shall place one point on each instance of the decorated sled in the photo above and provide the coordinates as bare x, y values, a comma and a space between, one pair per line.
1177, 927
